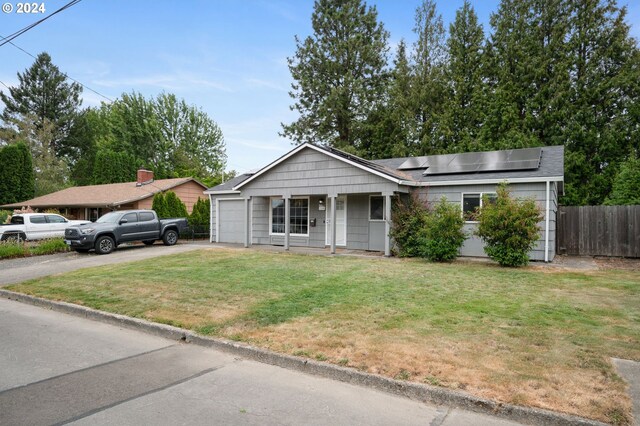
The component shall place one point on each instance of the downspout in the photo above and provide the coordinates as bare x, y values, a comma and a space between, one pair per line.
211, 207
546, 226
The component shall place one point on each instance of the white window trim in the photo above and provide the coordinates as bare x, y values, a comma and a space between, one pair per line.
271, 216
482, 194
383, 208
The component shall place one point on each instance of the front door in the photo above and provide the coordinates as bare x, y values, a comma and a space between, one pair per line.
341, 221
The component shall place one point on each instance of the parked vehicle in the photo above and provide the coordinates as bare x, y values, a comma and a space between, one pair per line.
36, 226
112, 229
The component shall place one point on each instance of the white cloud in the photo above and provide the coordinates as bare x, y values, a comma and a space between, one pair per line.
173, 82
256, 82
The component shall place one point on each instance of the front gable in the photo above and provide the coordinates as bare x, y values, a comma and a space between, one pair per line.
312, 171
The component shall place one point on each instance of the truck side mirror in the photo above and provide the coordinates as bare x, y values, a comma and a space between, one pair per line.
123, 221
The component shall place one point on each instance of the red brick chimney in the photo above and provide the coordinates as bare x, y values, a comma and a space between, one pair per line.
144, 177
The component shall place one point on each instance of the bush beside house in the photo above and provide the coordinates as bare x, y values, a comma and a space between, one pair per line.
508, 227
435, 234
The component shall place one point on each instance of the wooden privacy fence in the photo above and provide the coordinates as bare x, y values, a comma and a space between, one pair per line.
599, 231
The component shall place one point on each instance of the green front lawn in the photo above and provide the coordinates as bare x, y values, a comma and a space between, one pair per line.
529, 336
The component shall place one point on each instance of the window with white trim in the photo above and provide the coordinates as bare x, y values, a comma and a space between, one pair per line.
376, 207
298, 216
472, 202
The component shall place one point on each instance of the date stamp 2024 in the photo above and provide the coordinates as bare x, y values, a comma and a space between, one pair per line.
24, 8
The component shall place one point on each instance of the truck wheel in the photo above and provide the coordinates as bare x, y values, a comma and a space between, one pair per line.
170, 237
149, 242
15, 238
105, 245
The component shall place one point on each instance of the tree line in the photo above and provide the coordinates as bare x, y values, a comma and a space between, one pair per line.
70, 145
546, 72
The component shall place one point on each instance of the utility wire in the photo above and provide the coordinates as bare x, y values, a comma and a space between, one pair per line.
65, 74
28, 27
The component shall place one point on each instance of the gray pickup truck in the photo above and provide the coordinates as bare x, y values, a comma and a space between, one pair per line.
114, 228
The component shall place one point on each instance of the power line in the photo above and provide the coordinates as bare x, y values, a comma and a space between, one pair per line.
65, 74
28, 27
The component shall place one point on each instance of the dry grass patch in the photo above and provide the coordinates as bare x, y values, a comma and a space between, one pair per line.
531, 337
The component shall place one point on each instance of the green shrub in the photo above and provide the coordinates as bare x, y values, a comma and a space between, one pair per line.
626, 185
409, 227
444, 234
53, 245
159, 205
508, 227
4, 215
174, 206
10, 249
200, 213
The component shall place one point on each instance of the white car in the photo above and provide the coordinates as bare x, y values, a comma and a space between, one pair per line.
36, 226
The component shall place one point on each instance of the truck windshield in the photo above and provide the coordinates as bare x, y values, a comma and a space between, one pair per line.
109, 218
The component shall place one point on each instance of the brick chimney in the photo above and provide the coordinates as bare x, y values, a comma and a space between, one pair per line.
144, 177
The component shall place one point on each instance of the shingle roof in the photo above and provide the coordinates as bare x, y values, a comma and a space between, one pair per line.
551, 165
228, 185
113, 194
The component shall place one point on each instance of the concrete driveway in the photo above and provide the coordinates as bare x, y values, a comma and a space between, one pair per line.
58, 368
16, 270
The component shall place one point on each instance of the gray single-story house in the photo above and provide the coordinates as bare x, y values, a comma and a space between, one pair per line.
295, 200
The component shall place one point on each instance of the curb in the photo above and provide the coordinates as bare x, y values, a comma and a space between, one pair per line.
415, 391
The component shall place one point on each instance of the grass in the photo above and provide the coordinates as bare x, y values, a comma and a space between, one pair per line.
529, 336
10, 249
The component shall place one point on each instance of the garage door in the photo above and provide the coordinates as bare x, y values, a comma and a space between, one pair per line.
231, 223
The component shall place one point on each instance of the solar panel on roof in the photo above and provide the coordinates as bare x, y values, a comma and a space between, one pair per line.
413, 163
519, 159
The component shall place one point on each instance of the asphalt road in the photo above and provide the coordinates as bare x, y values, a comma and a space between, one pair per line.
59, 369
16, 270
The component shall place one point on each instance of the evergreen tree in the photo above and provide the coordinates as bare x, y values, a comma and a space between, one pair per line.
10, 170
200, 213
463, 110
603, 122
174, 206
114, 167
44, 93
26, 189
160, 205
390, 125
429, 86
339, 74
626, 185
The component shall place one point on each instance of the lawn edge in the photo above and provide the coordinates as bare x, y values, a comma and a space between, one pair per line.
411, 390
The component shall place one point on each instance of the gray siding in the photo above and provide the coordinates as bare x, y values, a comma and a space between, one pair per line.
473, 245
313, 173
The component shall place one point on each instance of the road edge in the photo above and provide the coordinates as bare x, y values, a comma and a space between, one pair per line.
411, 390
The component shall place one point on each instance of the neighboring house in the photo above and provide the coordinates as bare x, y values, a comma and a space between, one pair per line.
295, 200
91, 202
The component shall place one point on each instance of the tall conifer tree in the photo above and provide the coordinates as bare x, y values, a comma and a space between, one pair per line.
339, 74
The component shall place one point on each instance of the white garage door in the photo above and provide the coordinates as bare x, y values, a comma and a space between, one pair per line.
231, 221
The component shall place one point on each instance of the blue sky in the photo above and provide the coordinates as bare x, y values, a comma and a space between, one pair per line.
226, 57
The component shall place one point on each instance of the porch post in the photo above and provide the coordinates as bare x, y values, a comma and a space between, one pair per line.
247, 221
287, 220
387, 225
333, 198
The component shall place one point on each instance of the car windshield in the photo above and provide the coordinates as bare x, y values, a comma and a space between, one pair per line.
109, 218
